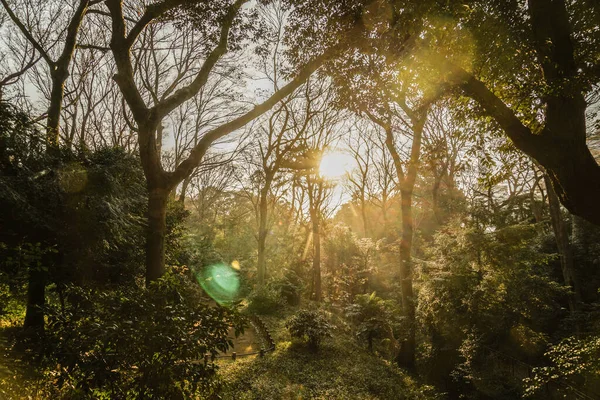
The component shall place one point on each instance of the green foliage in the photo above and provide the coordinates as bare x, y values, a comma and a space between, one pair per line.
88, 206
177, 252
19, 259
290, 287
135, 342
309, 326
265, 300
373, 318
487, 289
349, 262
479, 276
575, 367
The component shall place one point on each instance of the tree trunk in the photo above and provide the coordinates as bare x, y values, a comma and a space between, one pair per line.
36, 299
157, 229
263, 230
184, 187
316, 255
159, 139
435, 197
56, 97
576, 181
384, 210
561, 234
363, 213
406, 356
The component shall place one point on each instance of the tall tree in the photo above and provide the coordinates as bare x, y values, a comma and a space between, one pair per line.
383, 186
406, 175
226, 15
58, 66
320, 136
360, 147
557, 141
528, 66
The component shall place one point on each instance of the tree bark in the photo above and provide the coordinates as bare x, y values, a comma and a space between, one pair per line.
157, 229
263, 209
184, 187
316, 236
406, 357
160, 183
565, 250
36, 300
59, 69
59, 77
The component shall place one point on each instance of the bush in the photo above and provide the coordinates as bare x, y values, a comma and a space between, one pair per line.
309, 326
290, 287
264, 301
574, 368
373, 318
136, 343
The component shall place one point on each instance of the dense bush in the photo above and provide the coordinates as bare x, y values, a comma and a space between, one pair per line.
373, 318
309, 326
264, 301
481, 291
349, 262
290, 287
136, 342
574, 368
81, 213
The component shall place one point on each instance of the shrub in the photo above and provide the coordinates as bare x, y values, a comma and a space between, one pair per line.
373, 318
574, 368
264, 301
136, 343
309, 326
291, 287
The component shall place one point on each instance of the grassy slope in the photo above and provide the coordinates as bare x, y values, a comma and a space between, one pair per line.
340, 370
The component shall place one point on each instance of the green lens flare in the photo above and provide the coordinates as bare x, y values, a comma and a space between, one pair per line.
220, 281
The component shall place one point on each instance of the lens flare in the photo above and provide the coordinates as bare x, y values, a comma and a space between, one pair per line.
220, 281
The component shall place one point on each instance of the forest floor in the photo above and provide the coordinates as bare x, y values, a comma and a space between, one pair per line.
17, 378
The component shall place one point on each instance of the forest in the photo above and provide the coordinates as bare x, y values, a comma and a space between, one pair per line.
300, 199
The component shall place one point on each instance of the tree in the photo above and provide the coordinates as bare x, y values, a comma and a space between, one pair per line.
60, 212
58, 66
565, 250
149, 118
360, 147
383, 187
320, 135
529, 67
557, 141
445, 148
373, 318
213, 105
406, 176
17, 58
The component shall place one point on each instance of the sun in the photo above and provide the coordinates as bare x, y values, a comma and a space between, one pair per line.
335, 165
